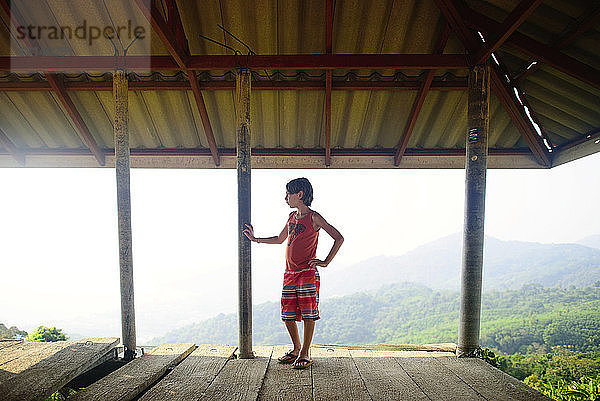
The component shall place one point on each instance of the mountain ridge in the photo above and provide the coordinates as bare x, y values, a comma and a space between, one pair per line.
434, 270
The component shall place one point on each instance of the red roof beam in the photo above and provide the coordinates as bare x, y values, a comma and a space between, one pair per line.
517, 114
420, 99
539, 51
587, 20
210, 137
82, 128
55, 83
162, 30
457, 85
232, 62
281, 152
33, 47
453, 16
329, 26
328, 117
510, 24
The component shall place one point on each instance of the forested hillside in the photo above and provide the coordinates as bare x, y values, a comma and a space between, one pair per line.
531, 319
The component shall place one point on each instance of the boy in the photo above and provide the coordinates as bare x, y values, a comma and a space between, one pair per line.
300, 297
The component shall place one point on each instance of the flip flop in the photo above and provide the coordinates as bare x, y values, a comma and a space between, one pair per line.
304, 366
287, 358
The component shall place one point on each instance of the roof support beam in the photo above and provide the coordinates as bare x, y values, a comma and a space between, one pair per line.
232, 62
420, 99
458, 85
539, 51
57, 86
11, 148
503, 93
328, 79
70, 108
328, 118
176, 44
587, 20
244, 170
453, 15
329, 26
122, 169
478, 120
231, 152
33, 47
510, 24
210, 137
162, 30
517, 115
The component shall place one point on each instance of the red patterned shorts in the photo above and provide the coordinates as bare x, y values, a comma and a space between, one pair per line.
300, 296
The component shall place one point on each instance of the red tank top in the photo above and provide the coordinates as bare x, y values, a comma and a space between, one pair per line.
302, 242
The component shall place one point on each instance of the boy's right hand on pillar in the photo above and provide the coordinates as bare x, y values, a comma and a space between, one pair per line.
249, 232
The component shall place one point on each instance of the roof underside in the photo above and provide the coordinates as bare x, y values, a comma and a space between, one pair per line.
289, 125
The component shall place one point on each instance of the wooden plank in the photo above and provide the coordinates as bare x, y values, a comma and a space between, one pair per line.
14, 360
384, 378
240, 379
368, 353
9, 343
190, 379
126, 383
335, 376
52, 373
16, 350
444, 347
284, 383
436, 381
490, 382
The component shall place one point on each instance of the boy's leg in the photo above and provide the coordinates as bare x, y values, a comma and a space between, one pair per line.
309, 304
309, 329
292, 329
290, 310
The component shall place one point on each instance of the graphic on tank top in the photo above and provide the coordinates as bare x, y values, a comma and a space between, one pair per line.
302, 242
294, 229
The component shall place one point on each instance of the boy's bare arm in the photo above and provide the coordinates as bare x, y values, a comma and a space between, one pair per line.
334, 233
249, 232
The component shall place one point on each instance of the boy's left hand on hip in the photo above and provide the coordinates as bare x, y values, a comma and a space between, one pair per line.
317, 262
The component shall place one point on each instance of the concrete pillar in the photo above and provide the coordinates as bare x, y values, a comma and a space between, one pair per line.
242, 99
473, 237
121, 134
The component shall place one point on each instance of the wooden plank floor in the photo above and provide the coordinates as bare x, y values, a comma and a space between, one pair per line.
37, 371
338, 373
213, 372
126, 383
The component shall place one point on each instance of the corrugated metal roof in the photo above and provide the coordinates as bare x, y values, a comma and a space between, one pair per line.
566, 109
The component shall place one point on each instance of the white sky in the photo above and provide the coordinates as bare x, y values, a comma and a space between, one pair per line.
59, 243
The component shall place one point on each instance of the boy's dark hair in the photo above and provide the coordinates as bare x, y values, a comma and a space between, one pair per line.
301, 184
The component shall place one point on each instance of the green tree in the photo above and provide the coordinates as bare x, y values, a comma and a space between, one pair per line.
46, 334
